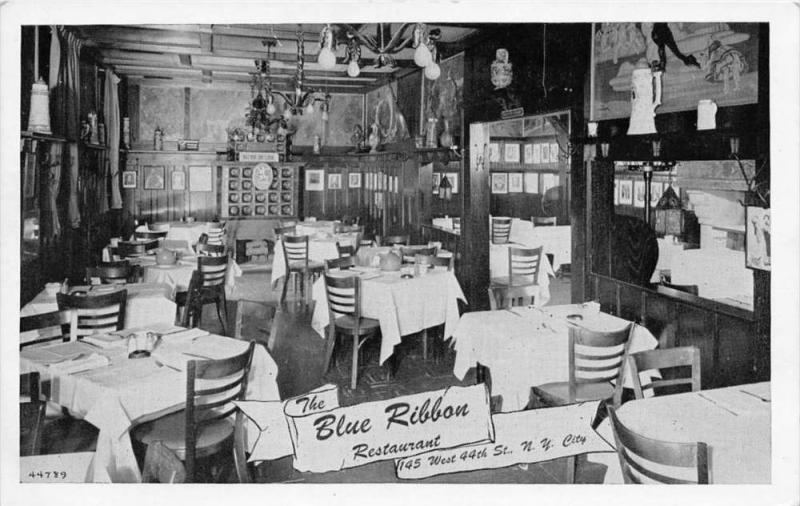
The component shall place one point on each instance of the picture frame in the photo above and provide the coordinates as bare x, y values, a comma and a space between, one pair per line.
315, 180
545, 153
129, 179
178, 180
531, 182
515, 182
757, 241
354, 180
334, 181
528, 154
154, 177
555, 150
656, 190
494, 152
453, 178
626, 192
511, 152
638, 193
201, 178
437, 178
500, 182
537, 154
616, 192
549, 180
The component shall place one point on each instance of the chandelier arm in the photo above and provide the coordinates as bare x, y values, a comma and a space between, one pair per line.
367, 40
397, 44
283, 95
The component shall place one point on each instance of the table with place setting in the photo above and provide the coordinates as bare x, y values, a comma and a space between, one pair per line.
321, 247
403, 306
733, 421
528, 346
179, 274
147, 302
96, 381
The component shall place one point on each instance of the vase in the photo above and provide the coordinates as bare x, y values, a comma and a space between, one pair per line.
446, 139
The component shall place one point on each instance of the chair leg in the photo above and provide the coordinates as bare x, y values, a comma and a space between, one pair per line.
285, 286
330, 343
354, 375
425, 344
221, 301
237, 322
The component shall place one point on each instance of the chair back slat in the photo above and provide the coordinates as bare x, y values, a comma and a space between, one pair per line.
508, 296
647, 460
110, 273
210, 250
394, 240
345, 250
408, 253
343, 294
597, 357
211, 388
668, 361
49, 327
212, 269
341, 263
215, 233
96, 313
149, 235
280, 232
548, 221
501, 230
295, 249
524, 262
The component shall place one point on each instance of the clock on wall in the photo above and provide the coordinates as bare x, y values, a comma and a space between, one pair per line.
262, 176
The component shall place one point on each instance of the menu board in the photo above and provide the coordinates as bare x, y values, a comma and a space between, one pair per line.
258, 190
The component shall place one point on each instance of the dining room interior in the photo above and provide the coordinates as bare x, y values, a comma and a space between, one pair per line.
396, 252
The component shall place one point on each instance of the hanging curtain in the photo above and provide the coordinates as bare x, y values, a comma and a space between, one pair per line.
72, 89
51, 170
111, 114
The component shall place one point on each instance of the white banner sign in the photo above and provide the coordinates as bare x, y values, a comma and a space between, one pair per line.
272, 440
520, 437
396, 428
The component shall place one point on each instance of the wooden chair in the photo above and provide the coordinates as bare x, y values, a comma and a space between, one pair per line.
31, 415
595, 359
506, 297
365, 241
295, 254
548, 221
394, 240
341, 263
665, 360
501, 230
523, 270
212, 272
49, 327
205, 427
149, 235
344, 310
109, 273
216, 232
126, 249
639, 455
96, 313
210, 250
345, 250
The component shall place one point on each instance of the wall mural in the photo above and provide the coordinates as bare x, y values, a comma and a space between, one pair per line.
717, 61
383, 109
345, 113
160, 107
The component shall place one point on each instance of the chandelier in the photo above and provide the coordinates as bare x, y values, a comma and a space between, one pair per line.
302, 100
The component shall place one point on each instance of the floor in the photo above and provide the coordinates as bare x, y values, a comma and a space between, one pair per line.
298, 351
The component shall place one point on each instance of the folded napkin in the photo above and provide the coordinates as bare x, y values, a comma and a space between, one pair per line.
184, 337
106, 341
76, 365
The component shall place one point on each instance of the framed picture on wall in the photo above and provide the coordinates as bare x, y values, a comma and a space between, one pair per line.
616, 192
154, 177
453, 178
528, 154
511, 154
554, 152
178, 180
500, 182
656, 190
515, 182
625, 192
638, 193
334, 181
201, 179
545, 153
537, 153
437, 178
315, 180
129, 179
757, 240
354, 180
494, 152
531, 180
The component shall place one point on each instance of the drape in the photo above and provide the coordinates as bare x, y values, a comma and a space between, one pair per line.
111, 114
72, 85
51, 226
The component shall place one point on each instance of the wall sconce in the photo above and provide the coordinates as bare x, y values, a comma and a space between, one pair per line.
734, 143
591, 129
445, 188
604, 149
656, 145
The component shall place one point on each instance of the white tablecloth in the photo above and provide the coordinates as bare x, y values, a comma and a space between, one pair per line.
557, 241
179, 275
315, 227
402, 306
498, 267
116, 397
319, 249
147, 303
735, 425
527, 347
189, 232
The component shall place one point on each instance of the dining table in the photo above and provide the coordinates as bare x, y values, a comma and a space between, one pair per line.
179, 275
733, 421
309, 227
555, 240
321, 247
146, 303
402, 306
528, 346
100, 384
498, 270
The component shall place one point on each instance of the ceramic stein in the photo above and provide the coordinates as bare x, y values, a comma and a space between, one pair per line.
706, 115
